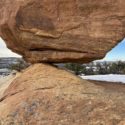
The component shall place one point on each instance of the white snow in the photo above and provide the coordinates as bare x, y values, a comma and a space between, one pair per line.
108, 78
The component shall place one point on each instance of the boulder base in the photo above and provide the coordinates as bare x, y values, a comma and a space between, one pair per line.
45, 95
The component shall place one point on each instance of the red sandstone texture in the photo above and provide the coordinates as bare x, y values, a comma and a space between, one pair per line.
54, 96
62, 30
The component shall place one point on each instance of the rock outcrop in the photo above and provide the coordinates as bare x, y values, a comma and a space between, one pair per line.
62, 30
46, 95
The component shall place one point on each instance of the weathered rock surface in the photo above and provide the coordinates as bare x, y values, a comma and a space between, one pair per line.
62, 30
45, 95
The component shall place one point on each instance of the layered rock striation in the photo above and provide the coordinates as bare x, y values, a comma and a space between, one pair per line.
62, 30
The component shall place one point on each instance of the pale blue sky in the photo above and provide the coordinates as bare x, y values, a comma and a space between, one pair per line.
117, 53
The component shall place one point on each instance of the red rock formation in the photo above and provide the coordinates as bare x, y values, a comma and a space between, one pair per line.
62, 30
52, 96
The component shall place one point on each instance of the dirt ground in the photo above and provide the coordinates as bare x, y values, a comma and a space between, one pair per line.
110, 86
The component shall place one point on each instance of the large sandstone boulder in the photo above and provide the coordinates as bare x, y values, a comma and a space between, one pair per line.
62, 30
45, 95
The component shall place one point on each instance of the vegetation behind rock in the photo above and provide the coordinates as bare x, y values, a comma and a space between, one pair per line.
96, 68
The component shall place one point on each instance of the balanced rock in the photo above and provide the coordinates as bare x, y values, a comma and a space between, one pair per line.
62, 30
52, 96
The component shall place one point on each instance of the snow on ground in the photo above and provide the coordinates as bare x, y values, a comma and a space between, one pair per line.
107, 78
5, 82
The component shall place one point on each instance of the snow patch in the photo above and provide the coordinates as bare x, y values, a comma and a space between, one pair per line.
107, 78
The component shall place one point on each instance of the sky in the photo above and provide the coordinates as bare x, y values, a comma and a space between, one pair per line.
5, 52
117, 53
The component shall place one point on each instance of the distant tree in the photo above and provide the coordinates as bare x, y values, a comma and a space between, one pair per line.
121, 67
102, 68
97, 68
89, 71
76, 68
124, 71
20, 65
117, 67
113, 68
